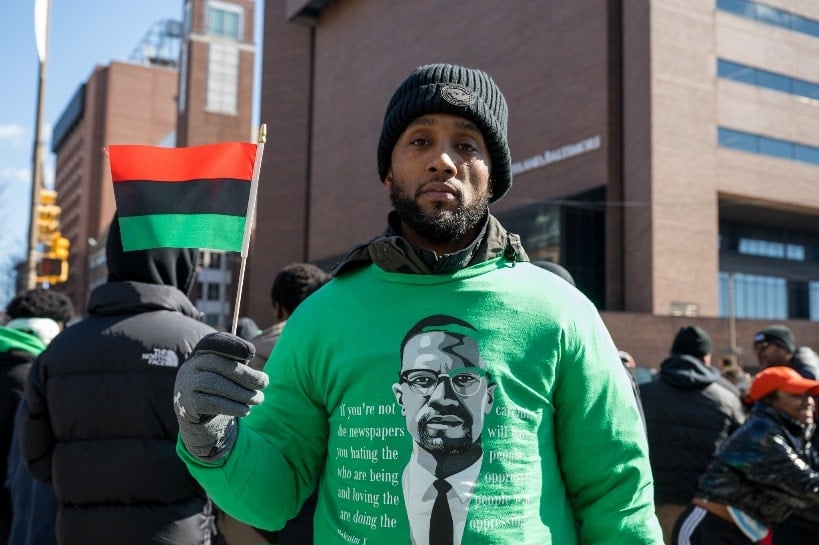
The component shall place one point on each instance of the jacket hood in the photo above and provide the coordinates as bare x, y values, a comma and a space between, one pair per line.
137, 297
13, 339
687, 372
164, 266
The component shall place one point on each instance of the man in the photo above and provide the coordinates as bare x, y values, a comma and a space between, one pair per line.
444, 391
36, 316
98, 421
291, 286
563, 442
775, 345
689, 413
765, 474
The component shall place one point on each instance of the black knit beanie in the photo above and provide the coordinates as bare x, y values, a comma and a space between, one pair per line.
779, 335
451, 89
693, 341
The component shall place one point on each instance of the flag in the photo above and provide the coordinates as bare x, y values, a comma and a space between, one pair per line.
194, 197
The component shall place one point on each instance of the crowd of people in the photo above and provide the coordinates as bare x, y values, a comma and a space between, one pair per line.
435, 388
732, 454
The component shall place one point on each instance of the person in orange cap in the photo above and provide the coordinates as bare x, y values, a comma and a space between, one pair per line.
765, 477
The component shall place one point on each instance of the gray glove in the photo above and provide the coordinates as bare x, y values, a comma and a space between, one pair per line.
213, 387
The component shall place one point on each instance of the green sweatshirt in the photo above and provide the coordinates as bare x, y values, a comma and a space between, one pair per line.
500, 379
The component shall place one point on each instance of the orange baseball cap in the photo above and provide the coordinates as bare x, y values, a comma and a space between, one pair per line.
780, 378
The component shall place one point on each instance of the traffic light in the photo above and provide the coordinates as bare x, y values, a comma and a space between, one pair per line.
59, 247
48, 216
49, 267
51, 270
53, 266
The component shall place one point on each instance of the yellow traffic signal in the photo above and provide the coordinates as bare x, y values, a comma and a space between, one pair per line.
48, 216
51, 270
53, 266
48, 196
59, 247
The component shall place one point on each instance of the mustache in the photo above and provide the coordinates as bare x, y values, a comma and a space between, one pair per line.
430, 414
439, 183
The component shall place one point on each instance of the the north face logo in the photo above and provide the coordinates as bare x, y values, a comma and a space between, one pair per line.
162, 357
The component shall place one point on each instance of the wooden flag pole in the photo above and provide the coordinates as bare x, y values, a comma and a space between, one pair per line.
251, 217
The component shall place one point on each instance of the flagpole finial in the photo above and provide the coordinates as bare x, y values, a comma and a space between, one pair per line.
262, 133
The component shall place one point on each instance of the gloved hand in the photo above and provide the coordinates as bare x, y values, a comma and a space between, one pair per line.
213, 387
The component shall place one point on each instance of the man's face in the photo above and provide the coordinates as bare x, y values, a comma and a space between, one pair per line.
439, 177
444, 391
769, 354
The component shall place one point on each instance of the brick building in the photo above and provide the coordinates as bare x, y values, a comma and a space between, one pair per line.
122, 103
664, 151
188, 83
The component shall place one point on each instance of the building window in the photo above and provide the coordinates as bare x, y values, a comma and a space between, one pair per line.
766, 248
225, 20
743, 8
765, 145
769, 263
736, 71
770, 15
213, 292
739, 140
813, 298
754, 296
769, 80
212, 260
807, 154
223, 78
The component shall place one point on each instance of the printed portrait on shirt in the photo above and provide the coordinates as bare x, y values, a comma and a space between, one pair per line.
445, 391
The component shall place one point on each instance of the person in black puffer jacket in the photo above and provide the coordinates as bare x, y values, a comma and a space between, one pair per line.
98, 419
765, 474
689, 412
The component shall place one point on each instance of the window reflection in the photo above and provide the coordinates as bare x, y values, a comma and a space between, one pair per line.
765, 145
770, 15
771, 270
755, 296
769, 80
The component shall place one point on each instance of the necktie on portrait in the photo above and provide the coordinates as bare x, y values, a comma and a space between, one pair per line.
440, 522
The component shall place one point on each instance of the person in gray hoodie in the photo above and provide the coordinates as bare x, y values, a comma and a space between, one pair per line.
689, 413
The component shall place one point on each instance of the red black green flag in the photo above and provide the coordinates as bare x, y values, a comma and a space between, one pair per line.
194, 197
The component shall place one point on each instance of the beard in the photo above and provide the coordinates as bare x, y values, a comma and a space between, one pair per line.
437, 442
440, 225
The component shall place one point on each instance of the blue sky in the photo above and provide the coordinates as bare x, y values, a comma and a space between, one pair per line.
82, 34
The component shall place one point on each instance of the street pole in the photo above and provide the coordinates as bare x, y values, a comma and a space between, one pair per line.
41, 13
732, 321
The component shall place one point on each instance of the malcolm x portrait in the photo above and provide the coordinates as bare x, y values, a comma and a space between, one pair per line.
444, 391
